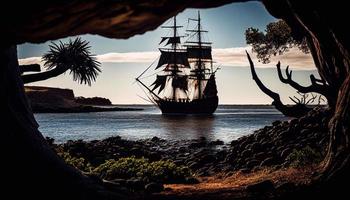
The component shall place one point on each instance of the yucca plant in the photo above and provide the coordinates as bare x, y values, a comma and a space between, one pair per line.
74, 56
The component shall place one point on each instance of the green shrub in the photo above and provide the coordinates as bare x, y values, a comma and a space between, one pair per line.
164, 171
305, 156
79, 163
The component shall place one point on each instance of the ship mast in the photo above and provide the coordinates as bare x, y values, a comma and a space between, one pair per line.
175, 69
200, 57
171, 60
199, 52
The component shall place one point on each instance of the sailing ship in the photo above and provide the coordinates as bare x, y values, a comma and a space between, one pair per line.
186, 80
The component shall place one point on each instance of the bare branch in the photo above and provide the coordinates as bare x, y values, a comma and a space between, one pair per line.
297, 110
317, 85
262, 87
312, 99
289, 73
316, 81
320, 99
295, 100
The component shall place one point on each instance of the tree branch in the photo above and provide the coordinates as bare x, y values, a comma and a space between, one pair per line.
29, 68
262, 87
29, 78
314, 87
296, 110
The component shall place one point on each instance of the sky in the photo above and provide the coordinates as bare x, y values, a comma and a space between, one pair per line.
124, 59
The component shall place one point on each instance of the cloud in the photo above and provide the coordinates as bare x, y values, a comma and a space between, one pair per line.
130, 57
237, 57
225, 56
31, 60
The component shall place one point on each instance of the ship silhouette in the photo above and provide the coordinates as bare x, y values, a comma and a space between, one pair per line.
186, 82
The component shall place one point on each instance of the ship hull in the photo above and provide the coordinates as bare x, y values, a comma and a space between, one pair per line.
198, 106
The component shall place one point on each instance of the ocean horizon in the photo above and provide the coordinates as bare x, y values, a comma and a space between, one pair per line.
228, 123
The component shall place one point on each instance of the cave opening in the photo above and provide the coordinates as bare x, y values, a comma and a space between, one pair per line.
45, 170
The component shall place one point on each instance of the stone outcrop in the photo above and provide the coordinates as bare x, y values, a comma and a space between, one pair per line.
50, 97
100, 101
57, 100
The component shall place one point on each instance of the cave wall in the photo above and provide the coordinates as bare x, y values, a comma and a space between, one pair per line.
36, 21
39, 21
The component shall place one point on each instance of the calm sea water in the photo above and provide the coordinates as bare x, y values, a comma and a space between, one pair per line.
228, 123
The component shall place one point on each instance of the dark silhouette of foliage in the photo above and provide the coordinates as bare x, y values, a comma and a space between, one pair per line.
277, 39
74, 56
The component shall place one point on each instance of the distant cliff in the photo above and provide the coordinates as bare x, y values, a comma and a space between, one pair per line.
93, 101
47, 97
57, 100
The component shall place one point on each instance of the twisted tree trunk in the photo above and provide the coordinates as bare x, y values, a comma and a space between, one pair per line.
28, 163
337, 161
330, 49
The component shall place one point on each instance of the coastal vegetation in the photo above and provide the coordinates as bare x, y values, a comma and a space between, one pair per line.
162, 171
131, 172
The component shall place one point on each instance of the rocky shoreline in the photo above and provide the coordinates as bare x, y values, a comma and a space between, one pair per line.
282, 144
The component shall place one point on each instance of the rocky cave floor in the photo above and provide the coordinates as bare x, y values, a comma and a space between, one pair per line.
275, 159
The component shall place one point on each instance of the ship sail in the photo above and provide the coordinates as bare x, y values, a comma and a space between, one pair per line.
196, 52
210, 89
180, 82
186, 80
178, 58
159, 83
171, 40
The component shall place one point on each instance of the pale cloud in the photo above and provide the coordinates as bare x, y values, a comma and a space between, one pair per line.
237, 57
225, 56
129, 57
30, 60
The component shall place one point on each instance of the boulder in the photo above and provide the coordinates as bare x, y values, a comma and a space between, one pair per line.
246, 153
119, 181
135, 184
154, 187
216, 142
275, 123
155, 139
208, 158
268, 162
252, 163
260, 155
234, 142
285, 153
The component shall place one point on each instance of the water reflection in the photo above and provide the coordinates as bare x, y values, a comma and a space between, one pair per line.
188, 126
227, 123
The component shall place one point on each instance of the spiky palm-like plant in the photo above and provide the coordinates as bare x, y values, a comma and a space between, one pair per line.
74, 56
